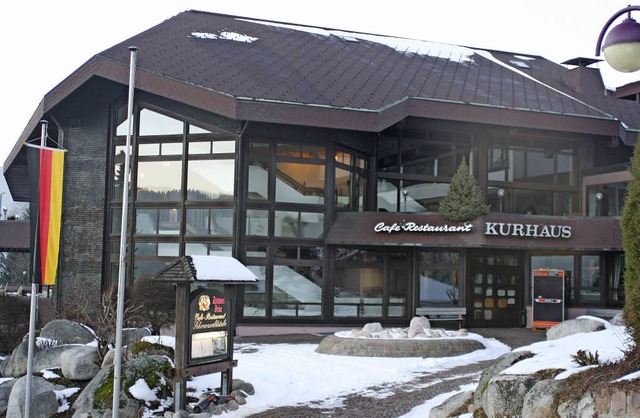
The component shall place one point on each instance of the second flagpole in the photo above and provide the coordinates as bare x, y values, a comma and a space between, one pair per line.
117, 367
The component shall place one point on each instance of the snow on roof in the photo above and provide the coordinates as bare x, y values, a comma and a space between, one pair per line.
221, 269
230, 36
405, 45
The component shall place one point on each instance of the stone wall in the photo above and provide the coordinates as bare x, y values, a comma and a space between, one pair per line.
84, 117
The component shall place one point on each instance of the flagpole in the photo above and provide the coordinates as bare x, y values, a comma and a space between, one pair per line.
117, 367
34, 297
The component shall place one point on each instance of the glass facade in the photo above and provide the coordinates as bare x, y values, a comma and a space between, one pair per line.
270, 202
183, 178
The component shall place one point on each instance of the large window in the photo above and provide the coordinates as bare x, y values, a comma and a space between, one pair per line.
370, 284
537, 179
284, 224
439, 284
606, 199
351, 173
183, 178
414, 173
583, 273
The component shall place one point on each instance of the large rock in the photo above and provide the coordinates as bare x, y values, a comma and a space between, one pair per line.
574, 326
539, 402
417, 326
503, 362
131, 335
66, 332
96, 398
504, 396
44, 402
48, 358
585, 407
5, 391
80, 363
452, 406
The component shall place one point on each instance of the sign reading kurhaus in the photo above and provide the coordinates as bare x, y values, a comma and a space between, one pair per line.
506, 229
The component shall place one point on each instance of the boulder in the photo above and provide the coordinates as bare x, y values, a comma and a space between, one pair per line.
504, 396
503, 362
372, 327
44, 402
618, 320
418, 325
109, 358
5, 391
585, 407
246, 387
67, 332
96, 398
131, 335
573, 326
540, 400
48, 358
80, 363
452, 406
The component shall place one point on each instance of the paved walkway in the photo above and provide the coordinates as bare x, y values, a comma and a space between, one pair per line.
394, 399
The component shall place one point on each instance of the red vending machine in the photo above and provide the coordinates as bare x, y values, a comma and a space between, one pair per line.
548, 297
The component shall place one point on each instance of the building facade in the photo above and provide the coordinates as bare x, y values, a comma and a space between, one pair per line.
318, 159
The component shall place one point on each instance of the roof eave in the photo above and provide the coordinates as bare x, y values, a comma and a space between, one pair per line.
366, 120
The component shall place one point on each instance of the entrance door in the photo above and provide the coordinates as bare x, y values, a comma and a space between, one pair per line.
496, 289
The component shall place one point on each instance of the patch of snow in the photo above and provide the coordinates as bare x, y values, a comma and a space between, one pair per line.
519, 64
229, 36
62, 396
140, 390
49, 374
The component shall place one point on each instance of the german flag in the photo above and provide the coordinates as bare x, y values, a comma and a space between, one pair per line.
46, 166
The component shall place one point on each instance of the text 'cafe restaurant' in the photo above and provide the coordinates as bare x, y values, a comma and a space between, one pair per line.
318, 158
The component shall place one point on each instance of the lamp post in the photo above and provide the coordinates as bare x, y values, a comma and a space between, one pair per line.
621, 47
599, 197
405, 193
501, 194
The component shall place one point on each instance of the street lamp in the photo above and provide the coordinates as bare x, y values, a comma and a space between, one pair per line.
599, 197
405, 193
501, 194
621, 47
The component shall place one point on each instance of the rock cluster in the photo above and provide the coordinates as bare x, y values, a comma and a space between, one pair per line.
418, 340
419, 327
69, 364
535, 396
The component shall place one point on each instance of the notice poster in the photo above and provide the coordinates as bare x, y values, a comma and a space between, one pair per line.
209, 325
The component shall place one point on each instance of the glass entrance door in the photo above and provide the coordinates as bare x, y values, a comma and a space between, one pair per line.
496, 289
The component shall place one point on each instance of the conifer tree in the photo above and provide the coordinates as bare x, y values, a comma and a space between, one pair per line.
464, 202
630, 223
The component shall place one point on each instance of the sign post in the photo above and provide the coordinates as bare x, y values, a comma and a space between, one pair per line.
205, 320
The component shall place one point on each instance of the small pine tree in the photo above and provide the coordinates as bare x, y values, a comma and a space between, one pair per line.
630, 223
464, 202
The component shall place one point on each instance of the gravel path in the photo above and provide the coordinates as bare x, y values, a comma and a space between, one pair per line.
392, 400
389, 400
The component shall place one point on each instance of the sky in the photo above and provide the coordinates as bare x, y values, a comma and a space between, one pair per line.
292, 374
43, 42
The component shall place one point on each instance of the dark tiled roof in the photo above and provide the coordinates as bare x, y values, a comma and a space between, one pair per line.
271, 62
246, 69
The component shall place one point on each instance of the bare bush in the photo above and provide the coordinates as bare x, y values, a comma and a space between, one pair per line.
585, 358
155, 303
102, 321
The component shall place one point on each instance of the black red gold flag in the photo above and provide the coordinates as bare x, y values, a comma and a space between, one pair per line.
46, 166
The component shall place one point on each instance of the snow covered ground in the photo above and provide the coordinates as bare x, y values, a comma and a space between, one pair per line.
290, 374
293, 374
